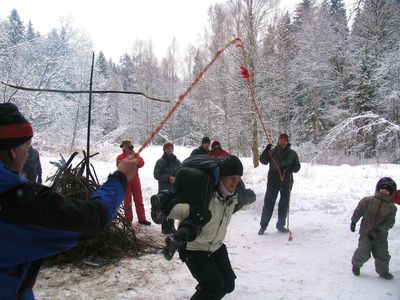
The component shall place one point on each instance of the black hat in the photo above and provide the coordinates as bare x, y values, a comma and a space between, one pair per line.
231, 166
205, 140
386, 183
14, 128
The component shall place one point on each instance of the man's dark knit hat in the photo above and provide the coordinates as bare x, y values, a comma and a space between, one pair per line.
231, 166
14, 128
205, 140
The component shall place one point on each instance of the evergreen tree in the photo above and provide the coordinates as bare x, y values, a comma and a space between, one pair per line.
30, 32
16, 28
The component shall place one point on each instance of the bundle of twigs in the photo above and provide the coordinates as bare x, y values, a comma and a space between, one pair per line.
118, 240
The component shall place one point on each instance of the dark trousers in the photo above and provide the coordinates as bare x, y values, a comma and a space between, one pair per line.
269, 204
379, 250
213, 272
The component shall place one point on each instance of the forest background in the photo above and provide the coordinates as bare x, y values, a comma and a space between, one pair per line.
330, 79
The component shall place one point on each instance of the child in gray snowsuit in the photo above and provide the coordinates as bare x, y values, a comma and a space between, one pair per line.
378, 214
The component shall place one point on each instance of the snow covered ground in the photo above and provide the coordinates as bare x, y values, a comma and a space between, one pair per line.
314, 265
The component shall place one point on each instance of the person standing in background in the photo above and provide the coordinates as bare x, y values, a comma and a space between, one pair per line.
283, 162
32, 168
134, 187
165, 171
217, 151
203, 148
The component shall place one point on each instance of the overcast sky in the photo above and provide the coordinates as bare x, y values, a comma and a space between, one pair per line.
114, 25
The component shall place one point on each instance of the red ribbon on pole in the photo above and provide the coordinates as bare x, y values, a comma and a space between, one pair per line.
245, 73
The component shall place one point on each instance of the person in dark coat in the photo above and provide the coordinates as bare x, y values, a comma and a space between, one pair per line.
165, 171
32, 168
203, 148
35, 221
378, 213
283, 162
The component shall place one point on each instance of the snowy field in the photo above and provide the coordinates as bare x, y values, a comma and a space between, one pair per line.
314, 265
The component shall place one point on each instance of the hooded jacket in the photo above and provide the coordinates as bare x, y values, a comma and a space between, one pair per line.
213, 233
36, 222
374, 218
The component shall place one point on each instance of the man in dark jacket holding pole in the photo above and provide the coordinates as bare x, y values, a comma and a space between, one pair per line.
35, 221
283, 162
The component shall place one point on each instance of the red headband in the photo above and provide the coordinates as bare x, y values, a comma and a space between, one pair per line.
15, 131
283, 137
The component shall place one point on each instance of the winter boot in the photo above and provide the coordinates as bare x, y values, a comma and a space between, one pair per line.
156, 214
386, 275
262, 230
144, 222
172, 243
356, 271
282, 229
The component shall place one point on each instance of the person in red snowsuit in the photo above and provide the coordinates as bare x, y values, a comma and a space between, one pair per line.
134, 188
217, 151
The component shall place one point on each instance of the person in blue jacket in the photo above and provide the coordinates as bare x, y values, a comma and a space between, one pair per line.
37, 222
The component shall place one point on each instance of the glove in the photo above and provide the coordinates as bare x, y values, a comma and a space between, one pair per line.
353, 227
373, 233
201, 215
247, 197
268, 148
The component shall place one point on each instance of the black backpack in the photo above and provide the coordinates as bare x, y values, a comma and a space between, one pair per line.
196, 180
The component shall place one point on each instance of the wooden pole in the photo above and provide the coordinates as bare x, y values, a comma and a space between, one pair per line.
89, 120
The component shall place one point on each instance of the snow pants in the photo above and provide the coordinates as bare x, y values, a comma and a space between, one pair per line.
134, 190
213, 272
379, 250
269, 204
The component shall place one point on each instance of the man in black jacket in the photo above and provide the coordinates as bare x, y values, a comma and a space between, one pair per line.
204, 148
283, 162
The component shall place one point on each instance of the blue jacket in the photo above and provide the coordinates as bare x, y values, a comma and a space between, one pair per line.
36, 222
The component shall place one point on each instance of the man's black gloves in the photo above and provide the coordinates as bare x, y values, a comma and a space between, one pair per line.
268, 148
201, 215
247, 197
353, 227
